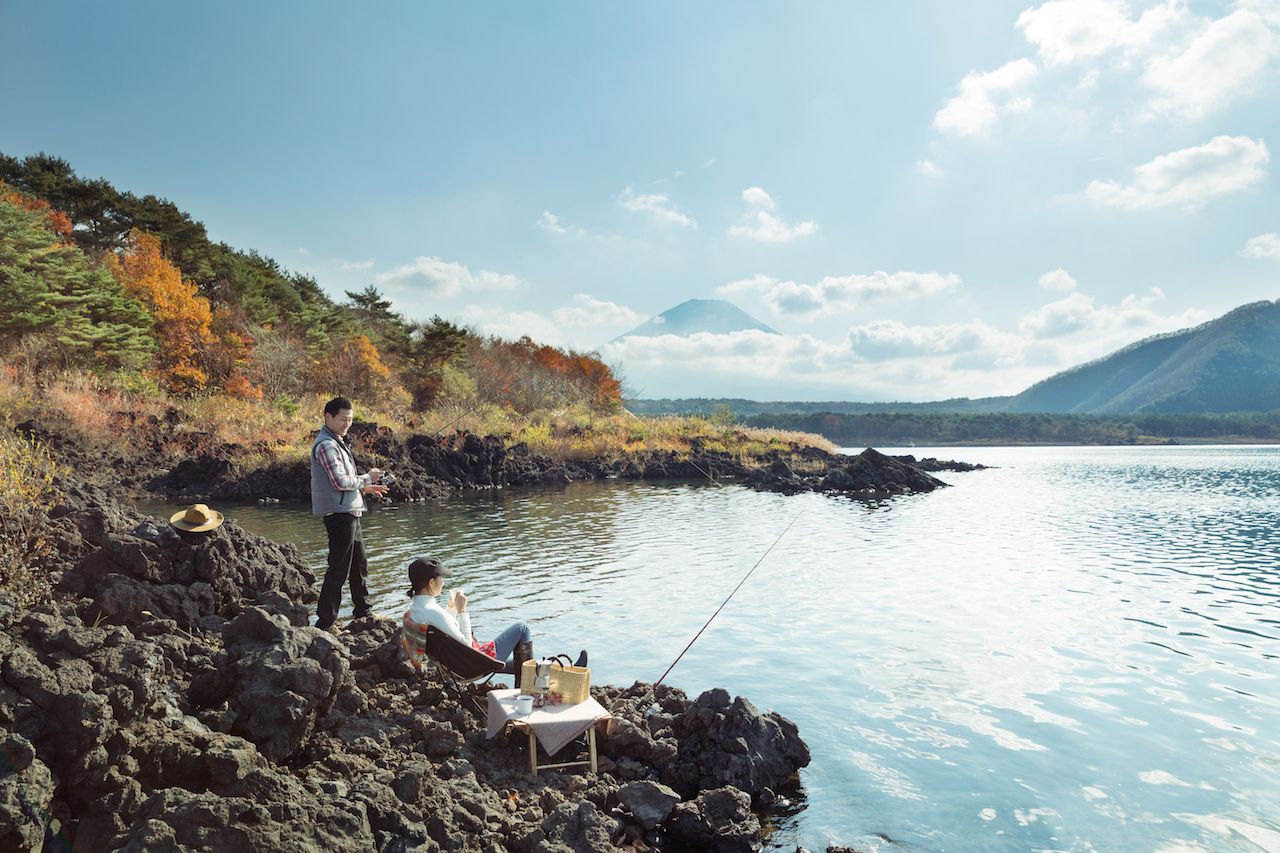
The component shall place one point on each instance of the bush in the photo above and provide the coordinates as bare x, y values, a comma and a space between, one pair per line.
27, 474
286, 405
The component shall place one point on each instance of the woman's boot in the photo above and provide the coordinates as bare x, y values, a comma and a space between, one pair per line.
521, 653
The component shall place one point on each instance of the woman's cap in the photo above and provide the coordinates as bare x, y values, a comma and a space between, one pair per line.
425, 569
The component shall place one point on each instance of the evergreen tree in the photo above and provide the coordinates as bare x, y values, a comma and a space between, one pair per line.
47, 286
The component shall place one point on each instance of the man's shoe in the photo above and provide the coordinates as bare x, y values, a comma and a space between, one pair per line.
335, 629
582, 658
373, 617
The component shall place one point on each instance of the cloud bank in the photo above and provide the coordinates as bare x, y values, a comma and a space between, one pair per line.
1189, 178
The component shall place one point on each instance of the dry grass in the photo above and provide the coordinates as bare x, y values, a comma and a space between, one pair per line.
581, 435
27, 474
93, 410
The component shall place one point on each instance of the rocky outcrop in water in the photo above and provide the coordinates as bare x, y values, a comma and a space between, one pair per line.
869, 474
431, 466
933, 464
172, 697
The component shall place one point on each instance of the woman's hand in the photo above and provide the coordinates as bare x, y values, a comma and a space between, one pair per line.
459, 601
380, 491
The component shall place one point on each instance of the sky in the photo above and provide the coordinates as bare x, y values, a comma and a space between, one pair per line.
926, 199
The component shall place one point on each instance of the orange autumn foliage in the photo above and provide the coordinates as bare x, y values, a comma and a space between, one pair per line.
527, 375
231, 362
183, 318
59, 222
355, 368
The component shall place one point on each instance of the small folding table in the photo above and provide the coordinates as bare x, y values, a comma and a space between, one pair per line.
553, 726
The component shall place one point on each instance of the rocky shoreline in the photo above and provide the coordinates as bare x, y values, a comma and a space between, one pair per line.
428, 466
173, 697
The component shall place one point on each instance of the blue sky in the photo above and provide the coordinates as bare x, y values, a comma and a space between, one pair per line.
926, 199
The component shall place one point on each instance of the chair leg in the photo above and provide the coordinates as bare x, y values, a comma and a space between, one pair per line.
533, 754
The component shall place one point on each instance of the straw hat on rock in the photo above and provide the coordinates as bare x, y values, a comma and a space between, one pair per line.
196, 518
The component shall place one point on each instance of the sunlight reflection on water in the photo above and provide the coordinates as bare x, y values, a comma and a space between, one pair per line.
1073, 651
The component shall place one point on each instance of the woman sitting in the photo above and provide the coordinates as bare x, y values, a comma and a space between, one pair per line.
513, 646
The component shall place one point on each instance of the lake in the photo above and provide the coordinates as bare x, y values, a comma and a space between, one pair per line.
1076, 650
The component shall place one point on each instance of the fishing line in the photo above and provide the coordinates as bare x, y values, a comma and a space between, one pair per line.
458, 418
596, 387
726, 601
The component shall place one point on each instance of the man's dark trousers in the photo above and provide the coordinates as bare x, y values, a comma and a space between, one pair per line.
346, 560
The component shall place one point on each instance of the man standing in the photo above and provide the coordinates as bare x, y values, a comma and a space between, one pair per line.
337, 494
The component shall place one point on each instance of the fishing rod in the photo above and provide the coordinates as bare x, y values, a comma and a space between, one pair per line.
726, 601
458, 418
595, 387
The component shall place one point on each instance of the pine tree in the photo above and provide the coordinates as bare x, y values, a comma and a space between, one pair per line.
48, 286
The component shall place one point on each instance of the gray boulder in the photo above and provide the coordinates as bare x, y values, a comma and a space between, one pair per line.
649, 802
719, 820
577, 828
26, 789
277, 680
709, 743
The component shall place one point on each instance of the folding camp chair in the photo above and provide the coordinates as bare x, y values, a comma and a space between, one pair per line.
460, 665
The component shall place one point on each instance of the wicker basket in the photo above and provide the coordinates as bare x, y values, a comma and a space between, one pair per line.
571, 682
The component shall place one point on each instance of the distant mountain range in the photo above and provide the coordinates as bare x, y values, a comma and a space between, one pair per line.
1231, 364
717, 316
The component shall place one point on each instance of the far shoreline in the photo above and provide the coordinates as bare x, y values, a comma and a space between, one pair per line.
1179, 442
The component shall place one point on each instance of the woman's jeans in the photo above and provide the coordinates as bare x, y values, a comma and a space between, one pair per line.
505, 643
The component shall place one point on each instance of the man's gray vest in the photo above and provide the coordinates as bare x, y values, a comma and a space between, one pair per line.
325, 498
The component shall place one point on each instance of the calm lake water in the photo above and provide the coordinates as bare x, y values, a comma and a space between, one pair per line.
1076, 651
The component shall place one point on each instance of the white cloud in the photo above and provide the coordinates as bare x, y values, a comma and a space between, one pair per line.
1262, 246
884, 339
444, 278
657, 205
1190, 65
929, 169
748, 353
910, 362
583, 323
551, 222
1066, 31
1058, 279
1223, 62
590, 313
1188, 178
840, 292
302, 251
768, 228
1067, 315
513, 325
762, 226
356, 265
1268, 9
1078, 312
758, 197
983, 95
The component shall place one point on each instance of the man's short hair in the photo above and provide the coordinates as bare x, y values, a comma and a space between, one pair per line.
337, 404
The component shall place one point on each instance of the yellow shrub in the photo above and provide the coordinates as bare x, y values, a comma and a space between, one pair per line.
27, 473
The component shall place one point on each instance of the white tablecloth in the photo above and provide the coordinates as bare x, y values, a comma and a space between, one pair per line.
553, 726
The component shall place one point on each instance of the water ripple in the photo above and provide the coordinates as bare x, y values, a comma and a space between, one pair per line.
1073, 651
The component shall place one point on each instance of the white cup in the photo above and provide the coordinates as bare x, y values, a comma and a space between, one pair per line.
524, 705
